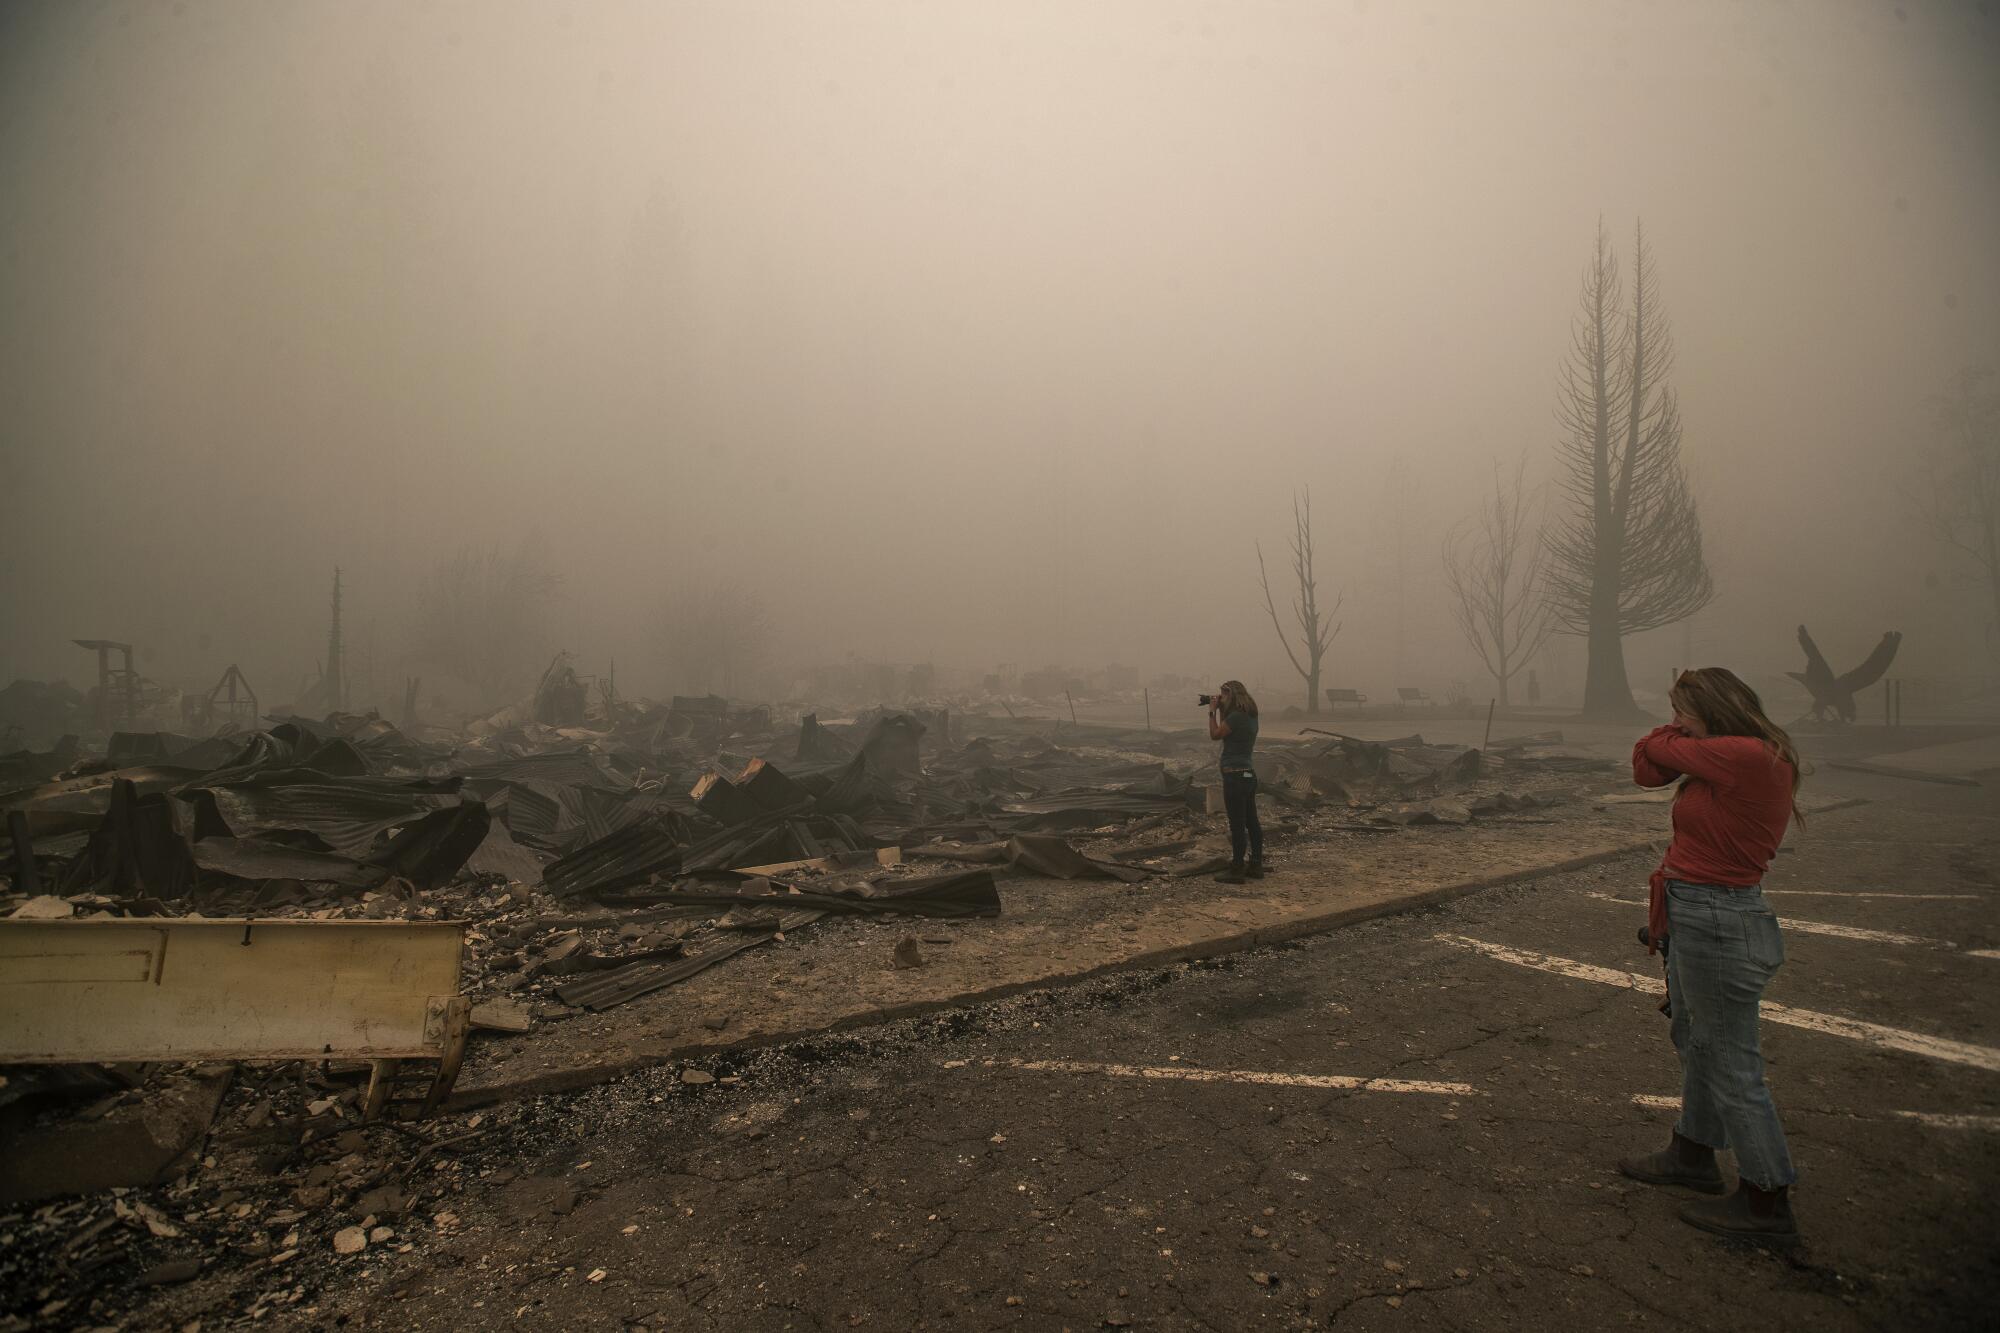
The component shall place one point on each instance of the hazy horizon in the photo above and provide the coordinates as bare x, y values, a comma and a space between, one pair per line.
959, 333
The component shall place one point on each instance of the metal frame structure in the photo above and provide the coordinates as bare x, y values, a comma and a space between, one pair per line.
126, 678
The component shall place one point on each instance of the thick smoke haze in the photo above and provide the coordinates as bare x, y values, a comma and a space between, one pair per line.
965, 333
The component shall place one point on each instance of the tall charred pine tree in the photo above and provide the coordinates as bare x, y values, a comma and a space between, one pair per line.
1625, 554
1316, 627
1962, 503
1494, 567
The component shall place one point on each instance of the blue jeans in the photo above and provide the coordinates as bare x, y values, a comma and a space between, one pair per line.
1724, 948
1239, 798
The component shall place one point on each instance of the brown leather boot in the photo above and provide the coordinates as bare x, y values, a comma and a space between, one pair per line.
1683, 1162
1749, 1214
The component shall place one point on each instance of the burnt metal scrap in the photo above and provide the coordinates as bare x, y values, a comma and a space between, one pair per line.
343, 805
596, 863
1835, 694
608, 989
964, 893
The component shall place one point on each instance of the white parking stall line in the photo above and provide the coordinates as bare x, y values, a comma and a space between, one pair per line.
1841, 893
1562, 967
1984, 953
1894, 1039
1179, 1073
1194, 1074
1835, 1025
1988, 1124
1824, 928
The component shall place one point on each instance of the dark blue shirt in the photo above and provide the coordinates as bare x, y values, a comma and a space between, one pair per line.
1238, 744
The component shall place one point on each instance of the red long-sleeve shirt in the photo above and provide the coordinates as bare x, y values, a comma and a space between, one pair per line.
1729, 817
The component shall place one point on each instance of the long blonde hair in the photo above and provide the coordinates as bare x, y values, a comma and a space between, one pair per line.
1240, 697
1728, 707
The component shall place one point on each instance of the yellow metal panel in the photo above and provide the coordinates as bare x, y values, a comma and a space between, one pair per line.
170, 989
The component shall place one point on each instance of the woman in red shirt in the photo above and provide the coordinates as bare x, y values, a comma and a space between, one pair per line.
1739, 777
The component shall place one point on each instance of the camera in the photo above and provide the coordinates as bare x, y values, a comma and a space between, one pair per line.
1206, 700
1646, 938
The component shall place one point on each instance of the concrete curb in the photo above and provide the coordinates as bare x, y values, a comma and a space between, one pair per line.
585, 1076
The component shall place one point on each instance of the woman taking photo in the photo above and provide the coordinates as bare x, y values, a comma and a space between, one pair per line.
1232, 719
1739, 779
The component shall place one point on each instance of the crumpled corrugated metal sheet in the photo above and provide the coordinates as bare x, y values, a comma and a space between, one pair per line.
430, 851
254, 860
139, 848
536, 813
499, 854
427, 851
626, 856
344, 816
289, 748
74, 804
605, 989
574, 768
559, 818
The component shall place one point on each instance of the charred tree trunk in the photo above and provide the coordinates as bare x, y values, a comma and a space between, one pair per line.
1607, 689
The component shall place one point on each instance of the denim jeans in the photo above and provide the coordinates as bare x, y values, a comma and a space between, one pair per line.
1239, 798
1724, 947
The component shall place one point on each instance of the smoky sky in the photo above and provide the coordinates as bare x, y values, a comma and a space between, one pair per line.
971, 333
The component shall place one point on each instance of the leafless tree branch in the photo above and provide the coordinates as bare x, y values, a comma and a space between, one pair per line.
1316, 626
1495, 569
1961, 503
712, 635
480, 615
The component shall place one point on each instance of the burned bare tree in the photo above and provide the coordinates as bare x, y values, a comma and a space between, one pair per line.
1626, 555
1316, 628
1493, 565
1961, 503
714, 636
481, 616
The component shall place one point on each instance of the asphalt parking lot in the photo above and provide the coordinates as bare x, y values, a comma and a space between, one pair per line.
1414, 1120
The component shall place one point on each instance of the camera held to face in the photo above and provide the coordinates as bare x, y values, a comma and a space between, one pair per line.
1209, 700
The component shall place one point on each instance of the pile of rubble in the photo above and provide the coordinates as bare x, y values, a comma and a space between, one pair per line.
595, 865
278, 1176
588, 866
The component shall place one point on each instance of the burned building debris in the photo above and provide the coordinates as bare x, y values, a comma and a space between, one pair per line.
584, 873
667, 810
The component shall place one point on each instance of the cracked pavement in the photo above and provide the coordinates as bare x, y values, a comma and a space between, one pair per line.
915, 1176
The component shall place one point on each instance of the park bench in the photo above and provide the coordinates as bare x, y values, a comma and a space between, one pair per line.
1355, 697
1405, 696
